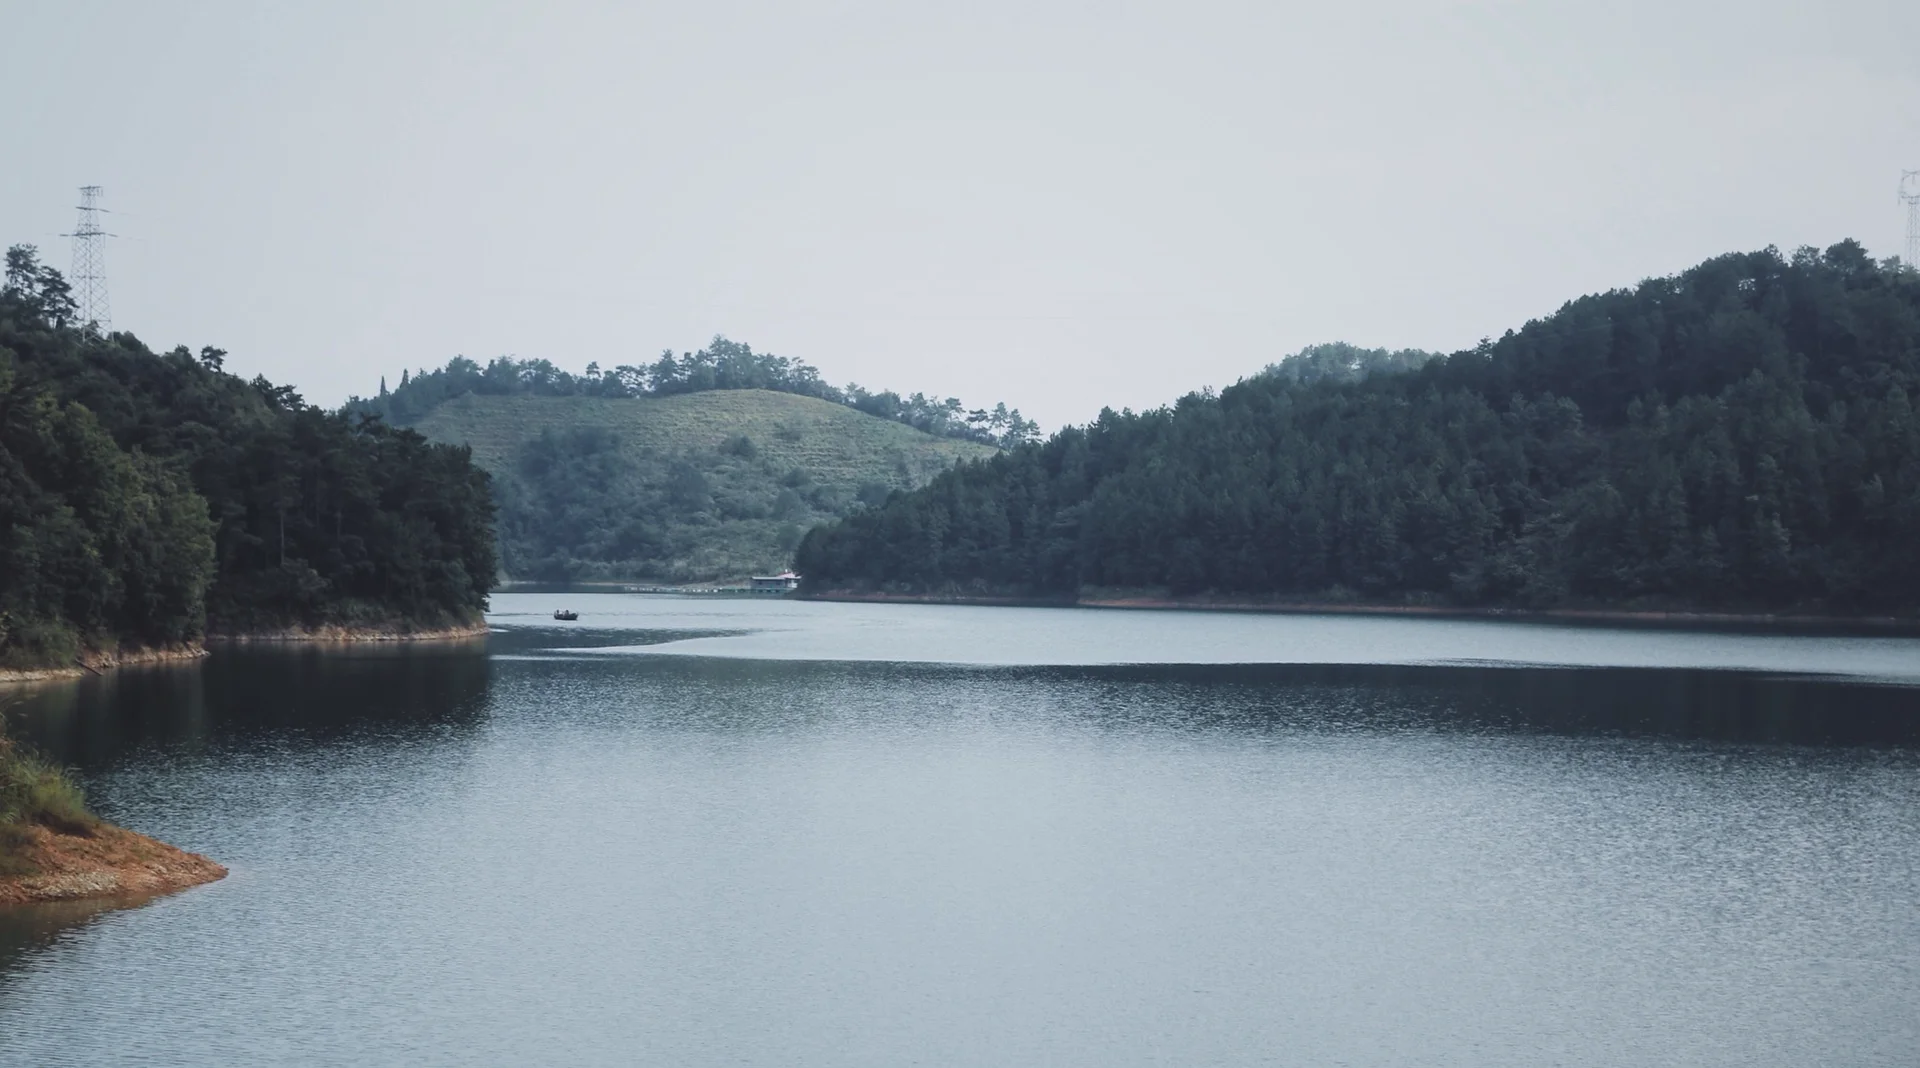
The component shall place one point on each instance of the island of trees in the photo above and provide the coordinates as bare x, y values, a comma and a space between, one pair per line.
1739, 437
148, 499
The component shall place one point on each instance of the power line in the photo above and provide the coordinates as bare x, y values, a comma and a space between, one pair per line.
89, 274
1910, 195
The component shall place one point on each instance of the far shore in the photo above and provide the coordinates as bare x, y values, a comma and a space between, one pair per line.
1785, 622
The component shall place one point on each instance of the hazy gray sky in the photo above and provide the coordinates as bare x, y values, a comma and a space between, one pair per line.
1061, 205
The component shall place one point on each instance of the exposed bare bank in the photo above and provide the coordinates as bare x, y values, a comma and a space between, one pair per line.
107, 862
112, 862
97, 661
331, 633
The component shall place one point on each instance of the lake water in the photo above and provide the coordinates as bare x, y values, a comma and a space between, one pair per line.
704, 832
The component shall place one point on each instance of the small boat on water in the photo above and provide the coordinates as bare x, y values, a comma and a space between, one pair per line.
565, 614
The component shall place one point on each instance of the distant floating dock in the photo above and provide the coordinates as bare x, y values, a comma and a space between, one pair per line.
758, 586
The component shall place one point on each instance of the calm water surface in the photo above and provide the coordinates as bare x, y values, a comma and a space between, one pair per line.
773, 833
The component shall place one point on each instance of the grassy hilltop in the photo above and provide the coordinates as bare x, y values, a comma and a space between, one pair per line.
684, 488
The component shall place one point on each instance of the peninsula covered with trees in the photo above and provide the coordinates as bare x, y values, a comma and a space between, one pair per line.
149, 499
1741, 437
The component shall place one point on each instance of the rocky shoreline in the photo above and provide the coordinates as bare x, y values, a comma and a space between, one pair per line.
334, 633
98, 662
105, 862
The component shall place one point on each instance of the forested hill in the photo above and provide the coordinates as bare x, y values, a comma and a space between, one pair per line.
722, 365
686, 487
147, 498
1739, 437
693, 468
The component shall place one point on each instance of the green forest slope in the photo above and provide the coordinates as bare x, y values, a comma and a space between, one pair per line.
682, 488
147, 499
1742, 436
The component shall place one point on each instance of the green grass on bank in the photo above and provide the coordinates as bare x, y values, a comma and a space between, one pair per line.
32, 791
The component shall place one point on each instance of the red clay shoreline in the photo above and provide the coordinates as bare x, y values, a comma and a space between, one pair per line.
108, 862
1620, 617
112, 863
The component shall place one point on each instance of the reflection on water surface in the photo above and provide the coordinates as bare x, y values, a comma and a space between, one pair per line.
587, 845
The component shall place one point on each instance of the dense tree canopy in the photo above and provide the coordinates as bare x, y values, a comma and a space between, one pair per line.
1740, 436
723, 364
720, 365
147, 497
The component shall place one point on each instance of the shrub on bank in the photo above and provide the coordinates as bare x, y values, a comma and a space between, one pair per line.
33, 790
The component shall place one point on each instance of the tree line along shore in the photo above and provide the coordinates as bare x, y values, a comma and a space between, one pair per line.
1738, 440
151, 500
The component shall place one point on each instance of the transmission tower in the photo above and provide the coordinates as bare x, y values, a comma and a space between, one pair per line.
89, 275
1910, 195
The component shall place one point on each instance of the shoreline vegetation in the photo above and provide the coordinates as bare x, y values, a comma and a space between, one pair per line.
154, 501
52, 848
1741, 438
1163, 601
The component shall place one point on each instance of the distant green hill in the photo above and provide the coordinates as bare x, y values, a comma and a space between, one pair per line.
1742, 437
685, 488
